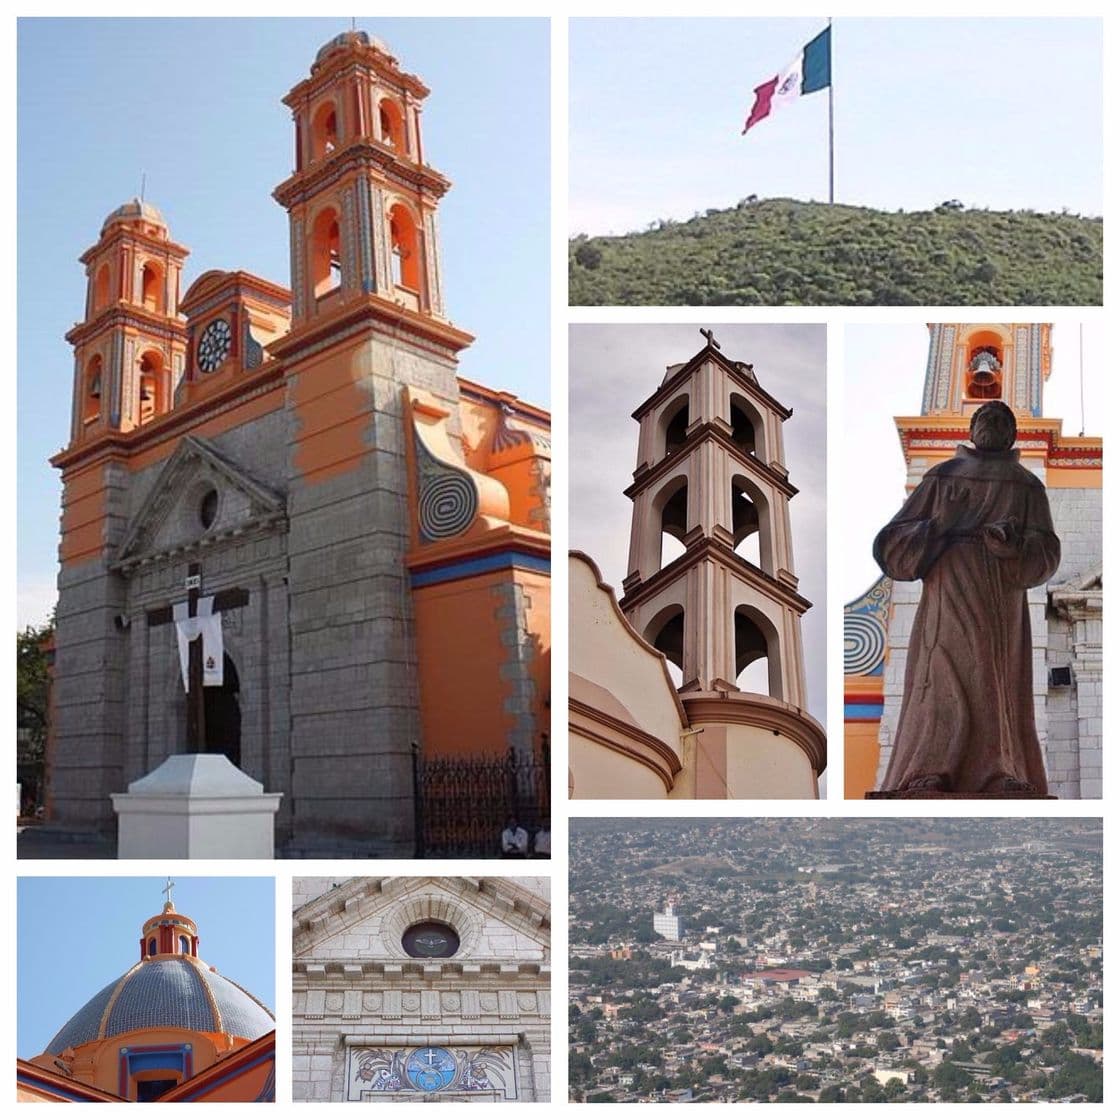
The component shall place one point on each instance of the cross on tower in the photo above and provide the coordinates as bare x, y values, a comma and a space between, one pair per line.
167, 890
196, 703
710, 335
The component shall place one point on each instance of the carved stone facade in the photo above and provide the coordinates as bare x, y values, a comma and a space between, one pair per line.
421, 989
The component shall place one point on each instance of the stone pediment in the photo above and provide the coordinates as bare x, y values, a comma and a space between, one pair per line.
1081, 596
199, 497
364, 920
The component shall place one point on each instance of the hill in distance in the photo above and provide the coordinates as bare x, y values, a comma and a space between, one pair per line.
781, 251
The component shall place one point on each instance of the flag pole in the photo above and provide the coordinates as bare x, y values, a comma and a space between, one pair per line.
831, 162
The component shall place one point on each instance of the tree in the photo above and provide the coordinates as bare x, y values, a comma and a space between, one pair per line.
32, 714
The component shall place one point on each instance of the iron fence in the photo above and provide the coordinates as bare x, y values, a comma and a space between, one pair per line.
463, 803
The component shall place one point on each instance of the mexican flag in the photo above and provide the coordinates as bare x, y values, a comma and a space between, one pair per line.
809, 72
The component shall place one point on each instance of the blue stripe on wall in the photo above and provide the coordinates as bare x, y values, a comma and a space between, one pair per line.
863, 711
461, 569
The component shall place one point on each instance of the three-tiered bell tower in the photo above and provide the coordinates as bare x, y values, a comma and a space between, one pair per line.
367, 320
711, 475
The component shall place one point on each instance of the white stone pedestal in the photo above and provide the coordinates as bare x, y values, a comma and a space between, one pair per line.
196, 806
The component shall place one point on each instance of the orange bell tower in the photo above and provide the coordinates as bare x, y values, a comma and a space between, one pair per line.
362, 201
367, 319
129, 351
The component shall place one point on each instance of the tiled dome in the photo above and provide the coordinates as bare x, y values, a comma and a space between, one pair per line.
351, 38
178, 991
133, 211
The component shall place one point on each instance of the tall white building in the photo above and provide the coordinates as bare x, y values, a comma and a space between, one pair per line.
668, 923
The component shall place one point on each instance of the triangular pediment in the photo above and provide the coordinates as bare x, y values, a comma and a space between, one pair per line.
172, 516
498, 920
1092, 580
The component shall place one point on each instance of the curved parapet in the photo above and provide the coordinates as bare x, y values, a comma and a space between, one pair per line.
450, 499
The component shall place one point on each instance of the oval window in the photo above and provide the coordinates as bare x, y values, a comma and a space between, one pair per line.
430, 939
208, 508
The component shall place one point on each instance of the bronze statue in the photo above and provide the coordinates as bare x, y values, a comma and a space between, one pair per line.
977, 532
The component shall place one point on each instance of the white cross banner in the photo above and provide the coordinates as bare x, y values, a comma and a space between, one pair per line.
208, 625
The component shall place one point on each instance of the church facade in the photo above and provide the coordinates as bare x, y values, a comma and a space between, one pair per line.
710, 474
421, 989
303, 463
970, 363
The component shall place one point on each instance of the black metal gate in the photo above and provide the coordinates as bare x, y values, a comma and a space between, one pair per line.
463, 803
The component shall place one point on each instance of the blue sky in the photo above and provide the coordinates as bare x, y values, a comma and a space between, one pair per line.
1002, 113
195, 105
56, 975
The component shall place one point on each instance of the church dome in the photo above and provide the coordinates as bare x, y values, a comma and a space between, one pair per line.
135, 210
351, 39
168, 987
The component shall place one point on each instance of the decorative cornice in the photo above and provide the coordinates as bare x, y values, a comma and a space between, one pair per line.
707, 548
179, 421
753, 710
627, 740
705, 432
124, 314
751, 388
368, 312
361, 154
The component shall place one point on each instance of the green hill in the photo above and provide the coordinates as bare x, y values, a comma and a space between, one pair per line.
779, 251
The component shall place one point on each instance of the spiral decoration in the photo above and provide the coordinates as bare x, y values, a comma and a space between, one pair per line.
448, 505
865, 643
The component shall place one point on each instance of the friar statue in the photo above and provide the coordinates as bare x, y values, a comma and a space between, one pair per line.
977, 532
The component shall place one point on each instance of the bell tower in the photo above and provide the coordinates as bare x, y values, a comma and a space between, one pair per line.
130, 348
362, 201
970, 363
711, 477
367, 321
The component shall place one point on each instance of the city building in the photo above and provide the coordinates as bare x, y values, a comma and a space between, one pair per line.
968, 364
421, 989
303, 464
171, 1028
667, 922
720, 599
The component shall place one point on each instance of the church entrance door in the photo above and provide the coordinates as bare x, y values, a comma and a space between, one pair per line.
223, 714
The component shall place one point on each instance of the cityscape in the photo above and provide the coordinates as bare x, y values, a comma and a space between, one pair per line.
836, 960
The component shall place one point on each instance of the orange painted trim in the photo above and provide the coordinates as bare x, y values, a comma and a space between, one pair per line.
373, 309
466, 547
148, 444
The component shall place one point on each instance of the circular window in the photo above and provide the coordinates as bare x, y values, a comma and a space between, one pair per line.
208, 508
430, 939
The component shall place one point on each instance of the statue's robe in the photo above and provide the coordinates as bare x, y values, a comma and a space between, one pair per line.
968, 704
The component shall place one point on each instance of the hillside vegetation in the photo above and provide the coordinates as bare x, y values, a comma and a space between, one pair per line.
779, 251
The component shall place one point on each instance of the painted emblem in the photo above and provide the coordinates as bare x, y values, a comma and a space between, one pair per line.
430, 1069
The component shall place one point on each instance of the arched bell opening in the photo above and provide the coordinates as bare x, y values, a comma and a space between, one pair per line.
101, 288
150, 402
671, 506
750, 523
390, 120
758, 667
748, 429
324, 130
404, 242
742, 430
326, 254
674, 426
983, 377
91, 398
665, 632
151, 287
